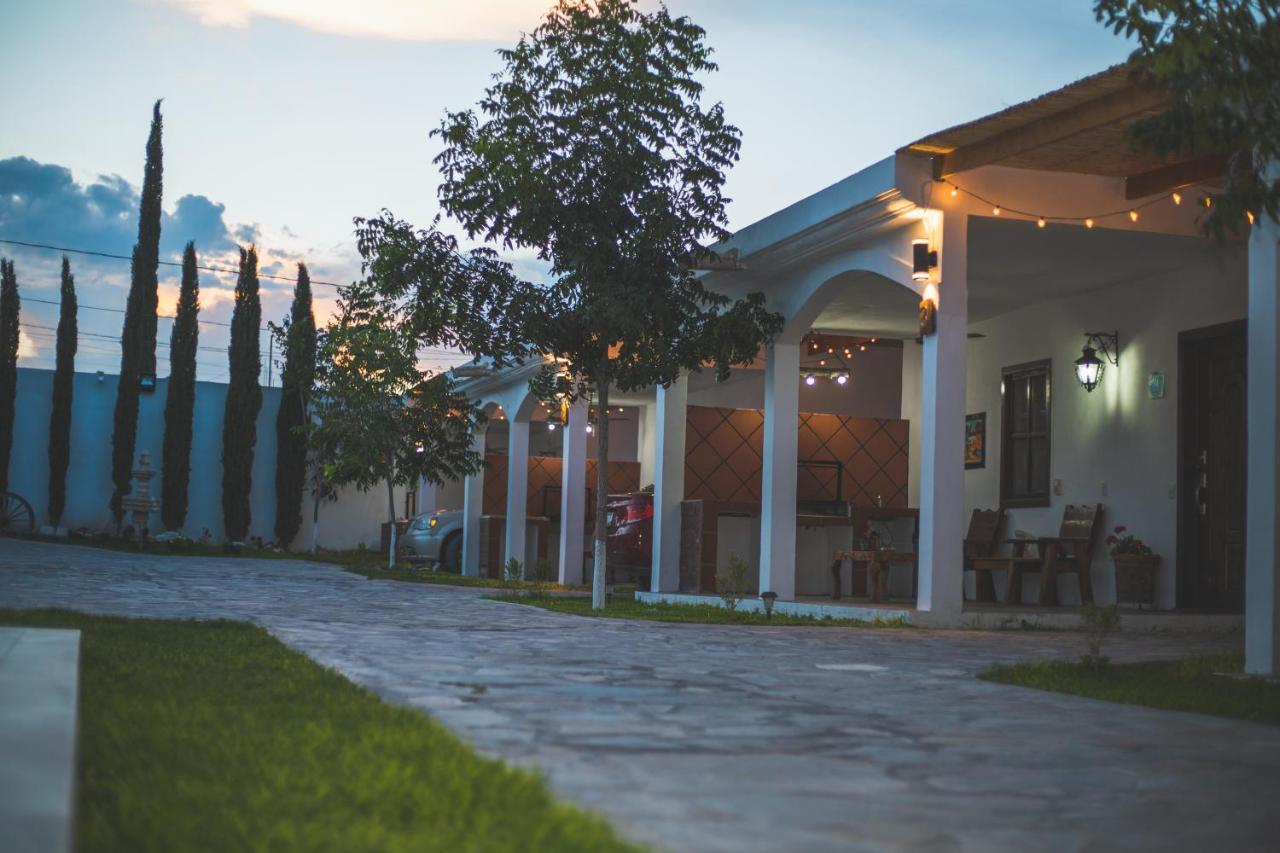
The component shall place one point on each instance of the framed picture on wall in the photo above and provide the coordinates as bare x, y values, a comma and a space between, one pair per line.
975, 441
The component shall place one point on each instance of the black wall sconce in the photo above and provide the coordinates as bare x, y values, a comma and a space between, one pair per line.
147, 383
1089, 368
923, 259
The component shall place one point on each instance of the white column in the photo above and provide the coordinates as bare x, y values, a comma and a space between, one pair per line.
573, 494
472, 504
1262, 586
778, 496
646, 429
668, 484
517, 489
942, 388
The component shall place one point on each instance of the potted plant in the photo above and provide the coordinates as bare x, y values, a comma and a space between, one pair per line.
1135, 565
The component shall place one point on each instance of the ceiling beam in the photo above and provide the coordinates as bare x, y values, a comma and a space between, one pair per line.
1119, 106
1176, 175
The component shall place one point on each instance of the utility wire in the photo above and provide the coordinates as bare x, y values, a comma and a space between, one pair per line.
162, 263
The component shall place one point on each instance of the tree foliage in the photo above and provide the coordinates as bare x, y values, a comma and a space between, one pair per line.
138, 339
179, 404
1220, 62
244, 401
296, 381
380, 417
594, 149
10, 308
64, 376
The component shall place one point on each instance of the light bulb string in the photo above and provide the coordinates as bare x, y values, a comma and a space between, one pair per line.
1126, 211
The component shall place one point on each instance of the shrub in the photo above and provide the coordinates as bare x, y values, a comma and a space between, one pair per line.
513, 570
1099, 624
732, 585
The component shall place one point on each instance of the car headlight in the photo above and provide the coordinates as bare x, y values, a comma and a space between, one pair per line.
433, 522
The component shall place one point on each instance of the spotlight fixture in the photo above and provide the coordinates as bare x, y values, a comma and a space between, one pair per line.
923, 259
551, 426
1089, 368
842, 378
809, 379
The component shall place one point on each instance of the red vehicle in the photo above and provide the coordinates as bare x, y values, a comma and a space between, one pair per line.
629, 538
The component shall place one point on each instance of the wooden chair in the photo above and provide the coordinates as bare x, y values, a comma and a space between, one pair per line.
981, 541
1070, 551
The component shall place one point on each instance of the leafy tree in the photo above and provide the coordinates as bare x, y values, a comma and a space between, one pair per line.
594, 149
138, 340
179, 404
10, 308
1220, 62
244, 401
64, 376
380, 417
296, 381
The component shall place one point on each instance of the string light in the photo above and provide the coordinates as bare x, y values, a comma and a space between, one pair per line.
1133, 216
1249, 213
1040, 222
1088, 223
1177, 198
996, 210
954, 191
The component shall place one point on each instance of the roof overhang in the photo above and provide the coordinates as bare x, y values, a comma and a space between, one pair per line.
1082, 128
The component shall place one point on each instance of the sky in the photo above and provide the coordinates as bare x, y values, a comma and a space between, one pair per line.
284, 119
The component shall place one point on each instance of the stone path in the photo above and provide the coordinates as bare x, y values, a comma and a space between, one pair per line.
696, 737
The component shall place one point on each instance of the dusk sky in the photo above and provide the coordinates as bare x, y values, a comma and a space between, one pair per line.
286, 118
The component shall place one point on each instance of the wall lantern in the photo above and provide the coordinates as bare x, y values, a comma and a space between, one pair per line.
147, 383
1089, 368
923, 260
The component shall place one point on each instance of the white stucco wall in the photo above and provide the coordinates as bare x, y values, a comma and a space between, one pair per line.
352, 520
1117, 435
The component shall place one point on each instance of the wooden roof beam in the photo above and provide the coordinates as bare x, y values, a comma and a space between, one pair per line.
1109, 109
1176, 175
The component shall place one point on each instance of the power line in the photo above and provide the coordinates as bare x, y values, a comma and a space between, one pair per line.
121, 311
162, 263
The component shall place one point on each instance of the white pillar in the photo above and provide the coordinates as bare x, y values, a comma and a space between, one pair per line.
646, 429
1262, 586
778, 495
573, 494
472, 504
942, 385
517, 489
668, 484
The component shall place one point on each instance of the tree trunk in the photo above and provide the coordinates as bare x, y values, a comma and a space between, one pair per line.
391, 506
598, 560
315, 511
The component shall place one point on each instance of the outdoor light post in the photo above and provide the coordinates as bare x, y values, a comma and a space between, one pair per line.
768, 598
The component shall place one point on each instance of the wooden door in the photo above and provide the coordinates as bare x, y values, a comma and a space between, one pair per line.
1211, 493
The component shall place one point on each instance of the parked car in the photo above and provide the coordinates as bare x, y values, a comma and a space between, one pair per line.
629, 537
435, 537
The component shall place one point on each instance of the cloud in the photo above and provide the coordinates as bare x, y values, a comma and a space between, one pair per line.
42, 203
400, 20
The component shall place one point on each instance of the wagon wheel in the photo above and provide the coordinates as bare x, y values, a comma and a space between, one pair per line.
15, 514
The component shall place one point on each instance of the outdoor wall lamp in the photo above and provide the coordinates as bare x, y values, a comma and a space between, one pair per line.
923, 259
1089, 368
147, 383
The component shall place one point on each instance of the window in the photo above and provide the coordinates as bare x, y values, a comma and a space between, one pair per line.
1024, 435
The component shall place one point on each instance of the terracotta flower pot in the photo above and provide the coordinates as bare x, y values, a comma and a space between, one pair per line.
1136, 578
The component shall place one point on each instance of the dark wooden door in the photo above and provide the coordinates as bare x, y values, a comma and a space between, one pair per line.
1211, 492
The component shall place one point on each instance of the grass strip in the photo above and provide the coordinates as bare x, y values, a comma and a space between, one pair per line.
1210, 684
215, 736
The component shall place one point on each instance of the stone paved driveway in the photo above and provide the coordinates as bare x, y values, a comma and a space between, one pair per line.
733, 738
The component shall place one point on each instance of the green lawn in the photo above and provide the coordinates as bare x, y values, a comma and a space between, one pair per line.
214, 736
629, 608
1191, 684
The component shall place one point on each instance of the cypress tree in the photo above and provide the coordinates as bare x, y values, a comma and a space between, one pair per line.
244, 400
180, 402
138, 340
295, 396
64, 376
10, 306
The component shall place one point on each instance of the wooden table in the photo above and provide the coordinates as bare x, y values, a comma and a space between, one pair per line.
878, 563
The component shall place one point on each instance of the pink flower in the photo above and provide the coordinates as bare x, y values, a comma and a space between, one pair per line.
1111, 540
1120, 528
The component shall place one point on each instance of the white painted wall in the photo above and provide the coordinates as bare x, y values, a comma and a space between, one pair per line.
354, 519
1115, 435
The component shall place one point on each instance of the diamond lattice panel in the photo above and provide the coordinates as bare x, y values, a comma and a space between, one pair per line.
724, 456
